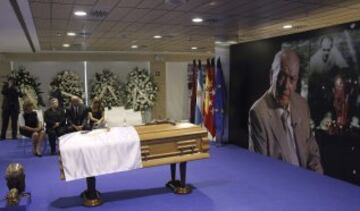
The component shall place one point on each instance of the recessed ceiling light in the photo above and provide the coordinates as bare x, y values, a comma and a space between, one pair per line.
194, 48
80, 13
197, 20
287, 26
134, 46
71, 34
66, 45
157, 36
213, 3
218, 42
231, 42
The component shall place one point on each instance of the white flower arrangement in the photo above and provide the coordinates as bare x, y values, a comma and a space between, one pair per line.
329, 125
141, 90
109, 88
354, 123
326, 122
28, 85
69, 84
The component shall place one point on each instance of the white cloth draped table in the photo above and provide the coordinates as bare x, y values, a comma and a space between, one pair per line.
99, 152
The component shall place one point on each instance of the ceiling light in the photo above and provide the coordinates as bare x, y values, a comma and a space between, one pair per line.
288, 26
134, 46
213, 3
66, 45
197, 20
157, 36
80, 13
231, 42
194, 48
71, 34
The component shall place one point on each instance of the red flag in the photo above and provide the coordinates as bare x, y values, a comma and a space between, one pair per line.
209, 97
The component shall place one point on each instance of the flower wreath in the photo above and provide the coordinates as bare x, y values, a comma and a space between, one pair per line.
69, 84
109, 88
140, 90
29, 86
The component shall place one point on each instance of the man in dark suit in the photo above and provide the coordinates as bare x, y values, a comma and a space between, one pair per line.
55, 120
279, 122
10, 107
76, 115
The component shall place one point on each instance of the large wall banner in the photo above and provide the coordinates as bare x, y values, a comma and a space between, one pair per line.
320, 122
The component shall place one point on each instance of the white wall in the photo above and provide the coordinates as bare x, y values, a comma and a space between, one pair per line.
177, 96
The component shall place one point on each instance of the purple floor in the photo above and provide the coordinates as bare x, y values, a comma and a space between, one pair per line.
232, 179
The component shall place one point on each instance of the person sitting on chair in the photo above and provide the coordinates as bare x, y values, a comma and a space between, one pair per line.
96, 114
31, 127
76, 115
55, 123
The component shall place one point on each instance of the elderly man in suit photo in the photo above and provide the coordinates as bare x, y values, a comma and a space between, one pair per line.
279, 122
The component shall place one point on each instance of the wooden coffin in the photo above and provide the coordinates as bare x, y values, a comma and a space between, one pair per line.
169, 143
172, 143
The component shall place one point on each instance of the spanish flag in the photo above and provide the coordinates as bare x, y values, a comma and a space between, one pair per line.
209, 97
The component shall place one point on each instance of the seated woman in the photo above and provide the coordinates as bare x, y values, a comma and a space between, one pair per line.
30, 126
96, 114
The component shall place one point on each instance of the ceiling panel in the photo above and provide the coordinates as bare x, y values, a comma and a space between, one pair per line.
150, 4
118, 14
59, 25
152, 16
120, 23
61, 11
130, 3
135, 15
41, 10
106, 26
85, 2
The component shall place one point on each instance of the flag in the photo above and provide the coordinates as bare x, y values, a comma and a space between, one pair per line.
219, 101
193, 92
199, 96
209, 97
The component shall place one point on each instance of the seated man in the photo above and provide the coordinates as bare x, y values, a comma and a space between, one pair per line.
76, 115
55, 123
31, 127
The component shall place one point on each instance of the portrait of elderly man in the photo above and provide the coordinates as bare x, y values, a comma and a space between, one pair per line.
279, 122
327, 57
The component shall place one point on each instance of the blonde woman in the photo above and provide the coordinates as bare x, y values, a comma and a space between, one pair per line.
30, 126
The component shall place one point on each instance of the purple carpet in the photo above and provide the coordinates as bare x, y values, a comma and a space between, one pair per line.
232, 179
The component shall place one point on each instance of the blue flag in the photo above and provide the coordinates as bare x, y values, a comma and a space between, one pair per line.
199, 96
219, 102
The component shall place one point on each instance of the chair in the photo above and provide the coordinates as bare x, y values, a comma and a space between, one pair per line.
26, 142
119, 116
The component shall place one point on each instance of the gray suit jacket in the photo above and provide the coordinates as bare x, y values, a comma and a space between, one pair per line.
267, 136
